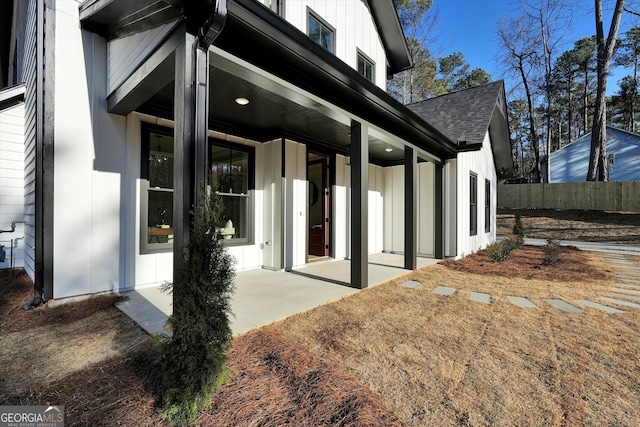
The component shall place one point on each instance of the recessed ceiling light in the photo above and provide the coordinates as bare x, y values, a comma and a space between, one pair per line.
242, 101
388, 150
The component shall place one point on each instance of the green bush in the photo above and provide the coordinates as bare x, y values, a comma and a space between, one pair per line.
518, 228
193, 358
500, 251
552, 253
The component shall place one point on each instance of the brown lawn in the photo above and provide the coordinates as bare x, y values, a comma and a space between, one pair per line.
385, 356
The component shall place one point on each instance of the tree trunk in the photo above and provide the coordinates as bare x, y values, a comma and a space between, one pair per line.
532, 126
598, 154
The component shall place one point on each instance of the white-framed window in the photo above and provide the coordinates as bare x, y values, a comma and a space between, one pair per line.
156, 189
233, 166
320, 31
366, 67
473, 204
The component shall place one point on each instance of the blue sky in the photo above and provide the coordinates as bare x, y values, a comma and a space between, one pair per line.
469, 26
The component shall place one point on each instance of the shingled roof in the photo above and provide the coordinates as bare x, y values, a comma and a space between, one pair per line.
464, 115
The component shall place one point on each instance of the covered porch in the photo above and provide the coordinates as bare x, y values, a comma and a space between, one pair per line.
263, 296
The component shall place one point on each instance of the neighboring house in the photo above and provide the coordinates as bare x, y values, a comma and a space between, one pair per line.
476, 119
571, 162
284, 101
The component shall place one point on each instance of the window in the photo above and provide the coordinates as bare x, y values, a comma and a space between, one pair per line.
321, 33
156, 189
365, 67
233, 167
473, 204
487, 206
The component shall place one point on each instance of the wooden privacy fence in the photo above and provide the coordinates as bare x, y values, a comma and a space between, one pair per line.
601, 196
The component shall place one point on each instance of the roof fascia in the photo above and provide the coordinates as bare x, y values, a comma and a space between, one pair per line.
387, 22
306, 64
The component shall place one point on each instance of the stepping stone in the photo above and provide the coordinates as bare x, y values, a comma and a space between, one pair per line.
411, 284
563, 305
521, 302
480, 297
620, 302
626, 291
629, 297
444, 290
598, 306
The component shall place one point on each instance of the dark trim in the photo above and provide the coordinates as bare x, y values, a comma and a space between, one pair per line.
44, 191
11, 96
387, 22
473, 194
183, 177
438, 212
410, 208
359, 205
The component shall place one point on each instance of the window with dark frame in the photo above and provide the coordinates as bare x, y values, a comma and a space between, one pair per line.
321, 32
487, 206
473, 204
366, 67
156, 189
233, 166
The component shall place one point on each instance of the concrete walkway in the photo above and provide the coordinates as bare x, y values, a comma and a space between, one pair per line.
588, 246
264, 296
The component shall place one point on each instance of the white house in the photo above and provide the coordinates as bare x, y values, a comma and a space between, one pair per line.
127, 105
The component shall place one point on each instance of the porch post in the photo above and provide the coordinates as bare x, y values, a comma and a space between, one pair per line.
410, 208
359, 205
184, 152
438, 218
201, 120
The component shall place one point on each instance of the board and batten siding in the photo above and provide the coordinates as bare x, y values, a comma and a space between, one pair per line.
354, 29
394, 209
480, 163
127, 53
12, 182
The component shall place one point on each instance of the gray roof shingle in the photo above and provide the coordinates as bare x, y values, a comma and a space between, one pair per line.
464, 115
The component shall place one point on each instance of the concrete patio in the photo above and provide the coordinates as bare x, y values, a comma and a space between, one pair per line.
264, 296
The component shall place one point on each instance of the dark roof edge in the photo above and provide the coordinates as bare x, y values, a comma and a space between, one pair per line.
386, 19
11, 96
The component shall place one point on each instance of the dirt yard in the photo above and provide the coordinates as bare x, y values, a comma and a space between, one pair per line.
578, 225
387, 356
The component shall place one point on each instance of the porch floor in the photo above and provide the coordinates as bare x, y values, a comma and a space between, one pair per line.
264, 296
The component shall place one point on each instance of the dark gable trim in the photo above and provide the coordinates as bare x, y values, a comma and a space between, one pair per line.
388, 25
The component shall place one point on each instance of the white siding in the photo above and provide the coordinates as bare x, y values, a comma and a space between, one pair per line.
90, 161
450, 202
272, 195
127, 53
341, 215
376, 209
394, 209
354, 29
12, 182
295, 210
480, 163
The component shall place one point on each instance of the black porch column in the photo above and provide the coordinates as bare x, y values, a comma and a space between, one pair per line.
410, 208
438, 202
359, 205
184, 152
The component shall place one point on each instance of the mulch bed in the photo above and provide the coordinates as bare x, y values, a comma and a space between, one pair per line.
526, 263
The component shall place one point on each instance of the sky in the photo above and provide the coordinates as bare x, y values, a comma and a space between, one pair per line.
469, 26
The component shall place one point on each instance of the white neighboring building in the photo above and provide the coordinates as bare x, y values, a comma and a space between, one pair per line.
315, 159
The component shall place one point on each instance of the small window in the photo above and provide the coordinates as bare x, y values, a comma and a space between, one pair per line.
233, 167
473, 204
156, 189
321, 33
487, 206
366, 67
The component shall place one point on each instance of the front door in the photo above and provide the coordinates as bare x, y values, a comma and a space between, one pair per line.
318, 177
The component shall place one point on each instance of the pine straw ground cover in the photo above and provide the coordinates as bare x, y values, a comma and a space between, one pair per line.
390, 356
